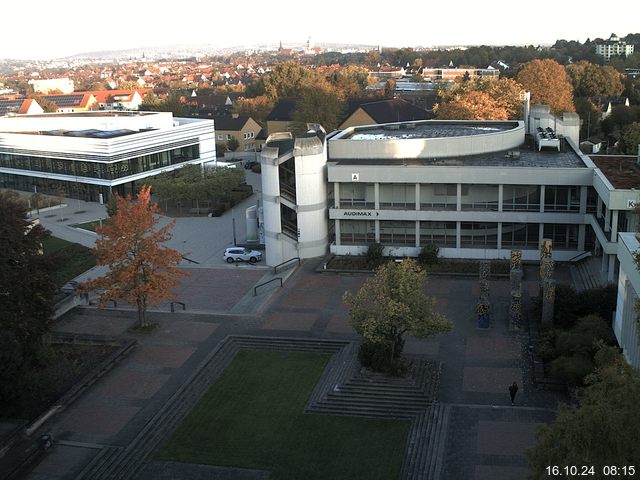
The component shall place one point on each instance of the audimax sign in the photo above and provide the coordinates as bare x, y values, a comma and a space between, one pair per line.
360, 213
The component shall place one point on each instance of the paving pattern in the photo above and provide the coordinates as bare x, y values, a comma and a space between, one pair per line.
467, 430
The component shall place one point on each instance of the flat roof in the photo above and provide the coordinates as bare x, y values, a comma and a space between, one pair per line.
89, 133
526, 157
622, 171
96, 113
427, 129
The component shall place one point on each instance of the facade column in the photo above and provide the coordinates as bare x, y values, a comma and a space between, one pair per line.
499, 234
337, 232
418, 233
459, 197
336, 195
612, 268
583, 200
603, 263
377, 230
582, 229
614, 225
417, 196
607, 220
540, 234
376, 196
500, 198
458, 240
599, 208
541, 199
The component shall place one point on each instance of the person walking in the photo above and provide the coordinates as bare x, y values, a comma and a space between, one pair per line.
513, 389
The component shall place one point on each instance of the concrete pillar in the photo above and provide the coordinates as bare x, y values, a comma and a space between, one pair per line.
458, 240
500, 197
607, 220
603, 263
499, 243
417, 233
336, 194
614, 226
583, 200
540, 234
581, 236
599, 208
337, 232
376, 195
548, 301
377, 230
459, 197
417, 196
612, 268
542, 198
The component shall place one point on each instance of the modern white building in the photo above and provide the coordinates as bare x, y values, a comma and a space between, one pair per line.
474, 189
89, 155
625, 325
613, 48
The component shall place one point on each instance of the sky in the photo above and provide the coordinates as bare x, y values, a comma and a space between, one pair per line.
49, 30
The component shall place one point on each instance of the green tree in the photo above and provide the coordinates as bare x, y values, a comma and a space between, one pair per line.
391, 304
318, 105
232, 144
26, 283
172, 103
142, 270
549, 84
631, 138
602, 430
47, 105
288, 79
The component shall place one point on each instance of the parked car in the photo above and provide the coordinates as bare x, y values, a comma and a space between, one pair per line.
241, 254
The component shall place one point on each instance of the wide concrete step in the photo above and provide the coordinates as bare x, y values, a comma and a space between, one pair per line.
420, 402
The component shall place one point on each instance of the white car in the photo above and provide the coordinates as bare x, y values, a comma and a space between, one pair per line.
240, 254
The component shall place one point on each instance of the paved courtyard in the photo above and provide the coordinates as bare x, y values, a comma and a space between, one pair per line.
486, 437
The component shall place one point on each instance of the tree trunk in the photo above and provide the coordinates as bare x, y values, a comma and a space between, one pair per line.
142, 310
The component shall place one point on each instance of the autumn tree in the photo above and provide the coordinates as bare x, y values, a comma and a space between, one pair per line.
389, 305
549, 84
591, 80
171, 103
602, 430
257, 108
481, 99
48, 106
142, 270
350, 81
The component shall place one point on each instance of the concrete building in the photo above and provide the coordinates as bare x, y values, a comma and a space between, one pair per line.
89, 155
613, 48
294, 195
50, 85
625, 324
474, 189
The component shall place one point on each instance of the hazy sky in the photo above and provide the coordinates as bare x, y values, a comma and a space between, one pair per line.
40, 29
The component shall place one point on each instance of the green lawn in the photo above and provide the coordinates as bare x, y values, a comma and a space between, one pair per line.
91, 226
252, 417
71, 259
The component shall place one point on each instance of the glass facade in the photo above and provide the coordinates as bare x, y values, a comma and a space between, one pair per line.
520, 235
478, 235
361, 195
564, 237
398, 232
398, 196
521, 198
438, 196
106, 170
442, 234
357, 232
480, 197
561, 199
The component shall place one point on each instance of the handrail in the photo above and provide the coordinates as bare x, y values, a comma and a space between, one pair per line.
189, 260
255, 289
580, 256
275, 269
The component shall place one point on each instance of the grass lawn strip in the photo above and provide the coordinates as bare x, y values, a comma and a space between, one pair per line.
71, 259
252, 417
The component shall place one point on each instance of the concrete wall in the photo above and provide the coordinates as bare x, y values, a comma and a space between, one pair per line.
625, 324
390, 148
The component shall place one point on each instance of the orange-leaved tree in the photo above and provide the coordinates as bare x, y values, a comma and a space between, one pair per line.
142, 270
549, 84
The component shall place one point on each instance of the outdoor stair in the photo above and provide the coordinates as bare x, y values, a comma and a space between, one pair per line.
426, 444
586, 274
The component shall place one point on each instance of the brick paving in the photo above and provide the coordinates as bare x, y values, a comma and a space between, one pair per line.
485, 437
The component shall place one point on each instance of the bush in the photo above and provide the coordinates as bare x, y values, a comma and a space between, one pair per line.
572, 369
377, 357
256, 168
374, 255
429, 254
571, 305
12, 365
